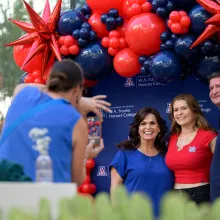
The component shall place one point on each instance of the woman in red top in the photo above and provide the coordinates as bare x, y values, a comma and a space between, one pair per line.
190, 148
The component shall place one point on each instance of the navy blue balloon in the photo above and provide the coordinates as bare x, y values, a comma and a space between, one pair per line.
142, 59
198, 15
93, 35
86, 25
84, 33
169, 44
162, 12
170, 6
161, 3
165, 67
146, 64
75, 34
154, 5
163, 47
174, 37
82, 42
184, 4
70, 21
103, 18
182, 48
21, 80
207, 65
87, 9
120, 21
144, 71
95, 61
113, 13
164, 36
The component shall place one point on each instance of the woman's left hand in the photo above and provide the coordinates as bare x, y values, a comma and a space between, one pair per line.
94, 104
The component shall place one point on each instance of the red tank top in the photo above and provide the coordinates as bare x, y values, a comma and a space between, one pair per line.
192, 163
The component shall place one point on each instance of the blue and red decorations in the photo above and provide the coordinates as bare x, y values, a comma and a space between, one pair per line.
162, 7
213, 23
179, 22
112, 20
131, 8
41, 39
114, 42
167, 39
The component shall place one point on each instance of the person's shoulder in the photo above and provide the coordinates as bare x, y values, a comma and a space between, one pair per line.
207, 132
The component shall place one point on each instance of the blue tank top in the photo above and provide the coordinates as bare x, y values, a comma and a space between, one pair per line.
144, 174
52, 125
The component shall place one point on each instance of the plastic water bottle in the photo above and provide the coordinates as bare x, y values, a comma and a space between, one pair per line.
44, 168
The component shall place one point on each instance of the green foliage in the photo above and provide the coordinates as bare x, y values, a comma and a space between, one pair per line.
9, 71
123, 207
80, 3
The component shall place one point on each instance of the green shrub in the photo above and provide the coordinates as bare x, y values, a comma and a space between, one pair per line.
122, 207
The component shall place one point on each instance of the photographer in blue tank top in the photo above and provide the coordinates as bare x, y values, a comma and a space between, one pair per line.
52, 117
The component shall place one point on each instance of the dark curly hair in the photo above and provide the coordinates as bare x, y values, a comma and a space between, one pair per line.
134, 139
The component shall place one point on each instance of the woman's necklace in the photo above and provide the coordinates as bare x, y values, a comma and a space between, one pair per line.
183, 141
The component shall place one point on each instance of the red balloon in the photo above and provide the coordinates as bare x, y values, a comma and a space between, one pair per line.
89, 83
105, 42
61, 40
126, 63
20, 53
87, 180
175, 16
103, 6
64, 50
185, 21
146, 7
39, 80
122, 29
143, 33
92, 188
85, 188
114, 33
90, 163
112, 51
123, 43
74, 49
98, 26
69, 41
114, 42
130, 9
29, 79
183, 13
176, 28
36, 73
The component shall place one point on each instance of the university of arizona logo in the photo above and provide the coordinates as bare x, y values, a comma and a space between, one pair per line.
168, 108
192, 149
102, 171
129, 82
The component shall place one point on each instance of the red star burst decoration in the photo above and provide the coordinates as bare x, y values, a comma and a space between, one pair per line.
41, 33
213, 23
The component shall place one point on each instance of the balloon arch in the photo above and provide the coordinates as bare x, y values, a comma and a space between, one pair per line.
167, 39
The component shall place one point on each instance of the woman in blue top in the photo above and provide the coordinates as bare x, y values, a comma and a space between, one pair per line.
51, 118
139, 164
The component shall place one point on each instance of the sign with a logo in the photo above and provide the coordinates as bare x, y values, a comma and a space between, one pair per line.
102, 171
168, 108
129, 82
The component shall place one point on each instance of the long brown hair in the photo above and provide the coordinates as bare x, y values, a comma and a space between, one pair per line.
200, 121
134, 139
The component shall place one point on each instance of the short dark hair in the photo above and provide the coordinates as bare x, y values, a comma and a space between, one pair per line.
214, 75
65, 75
